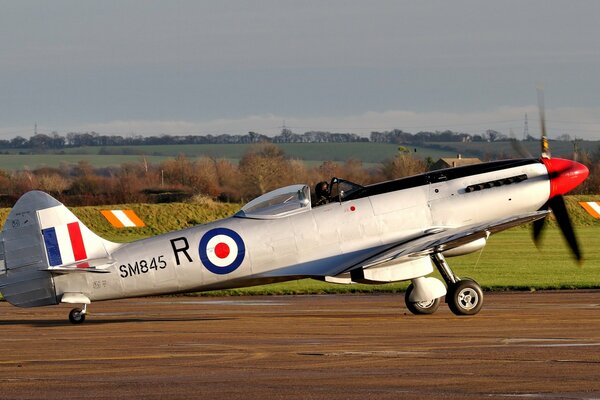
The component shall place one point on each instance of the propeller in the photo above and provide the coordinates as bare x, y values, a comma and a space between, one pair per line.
558, 207
519, 148
542, 112
564, 175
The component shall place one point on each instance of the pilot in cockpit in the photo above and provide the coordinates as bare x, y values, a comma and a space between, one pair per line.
322, 193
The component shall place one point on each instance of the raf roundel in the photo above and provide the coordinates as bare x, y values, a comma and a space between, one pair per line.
221, 250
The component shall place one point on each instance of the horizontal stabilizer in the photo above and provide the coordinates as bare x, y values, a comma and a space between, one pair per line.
98, 266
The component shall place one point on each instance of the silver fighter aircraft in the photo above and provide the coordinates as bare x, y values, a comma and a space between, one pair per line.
387, 232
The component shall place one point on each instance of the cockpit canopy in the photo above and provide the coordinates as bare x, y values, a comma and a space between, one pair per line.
341, 189
279, 203
294, 199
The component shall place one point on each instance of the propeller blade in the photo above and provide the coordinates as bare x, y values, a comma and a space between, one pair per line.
519, 148
538, 226
542, 111
557, 204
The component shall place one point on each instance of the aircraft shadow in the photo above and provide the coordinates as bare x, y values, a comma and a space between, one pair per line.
100, 321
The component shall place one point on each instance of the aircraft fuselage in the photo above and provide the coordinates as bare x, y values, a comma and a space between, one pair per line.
322, 241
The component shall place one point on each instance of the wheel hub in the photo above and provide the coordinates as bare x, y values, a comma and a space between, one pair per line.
468, 299
426, 304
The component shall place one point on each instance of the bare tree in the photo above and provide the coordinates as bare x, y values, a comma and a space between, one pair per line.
262, 168
401, 166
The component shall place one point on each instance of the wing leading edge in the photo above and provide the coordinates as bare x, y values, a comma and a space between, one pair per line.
442, 239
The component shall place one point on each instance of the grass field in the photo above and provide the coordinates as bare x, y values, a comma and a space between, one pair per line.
367, 152
312, 153
558, 148
509, 261
33, 161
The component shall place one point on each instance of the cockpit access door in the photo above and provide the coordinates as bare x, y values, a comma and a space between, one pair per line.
279, 203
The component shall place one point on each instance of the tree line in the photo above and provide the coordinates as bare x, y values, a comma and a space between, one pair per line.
262, 168
55, 141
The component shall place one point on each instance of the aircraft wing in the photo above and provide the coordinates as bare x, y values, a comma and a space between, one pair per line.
445, 238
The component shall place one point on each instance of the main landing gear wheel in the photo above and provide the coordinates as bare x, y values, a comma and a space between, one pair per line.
77, 316
465, 297
421, 307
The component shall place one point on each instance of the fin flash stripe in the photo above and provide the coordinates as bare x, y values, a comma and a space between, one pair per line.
52, 248
77, 241
59, 247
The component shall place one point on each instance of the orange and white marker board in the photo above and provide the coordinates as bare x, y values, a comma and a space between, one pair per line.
592, 207
123, 218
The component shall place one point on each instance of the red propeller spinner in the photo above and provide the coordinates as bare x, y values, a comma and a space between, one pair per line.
565, 175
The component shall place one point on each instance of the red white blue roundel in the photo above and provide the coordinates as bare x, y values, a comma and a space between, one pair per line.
221, 250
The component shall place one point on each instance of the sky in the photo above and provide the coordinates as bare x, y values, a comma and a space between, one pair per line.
133, 67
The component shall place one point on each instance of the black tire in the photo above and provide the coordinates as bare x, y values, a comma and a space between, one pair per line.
465, 297
76, 316
422, 307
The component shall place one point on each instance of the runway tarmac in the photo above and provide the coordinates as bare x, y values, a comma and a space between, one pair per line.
522, 345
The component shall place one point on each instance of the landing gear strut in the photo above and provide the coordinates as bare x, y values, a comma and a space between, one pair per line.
77, 315
465, 296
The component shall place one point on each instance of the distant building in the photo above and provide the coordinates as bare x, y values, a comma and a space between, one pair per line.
459, 161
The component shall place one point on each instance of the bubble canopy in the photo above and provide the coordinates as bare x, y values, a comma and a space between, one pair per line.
279, 203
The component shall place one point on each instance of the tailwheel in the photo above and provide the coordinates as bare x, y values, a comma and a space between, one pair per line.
77, 315
420, 307
465, 297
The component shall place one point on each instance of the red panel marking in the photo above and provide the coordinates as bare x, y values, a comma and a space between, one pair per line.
77, 241
222, 250
352, 208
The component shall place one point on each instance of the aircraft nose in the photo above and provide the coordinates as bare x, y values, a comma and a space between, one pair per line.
565, 175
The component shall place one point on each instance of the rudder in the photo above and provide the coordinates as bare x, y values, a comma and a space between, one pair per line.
40, 234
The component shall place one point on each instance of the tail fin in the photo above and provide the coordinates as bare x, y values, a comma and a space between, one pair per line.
39, 236
67, 240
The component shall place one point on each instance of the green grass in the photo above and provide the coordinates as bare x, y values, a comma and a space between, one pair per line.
371, 154
558, 148
511, 261
159, 218
366, 152
33, 161
312, 153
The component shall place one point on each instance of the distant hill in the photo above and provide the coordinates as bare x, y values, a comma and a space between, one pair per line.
506, 149
369, 153
311, 153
